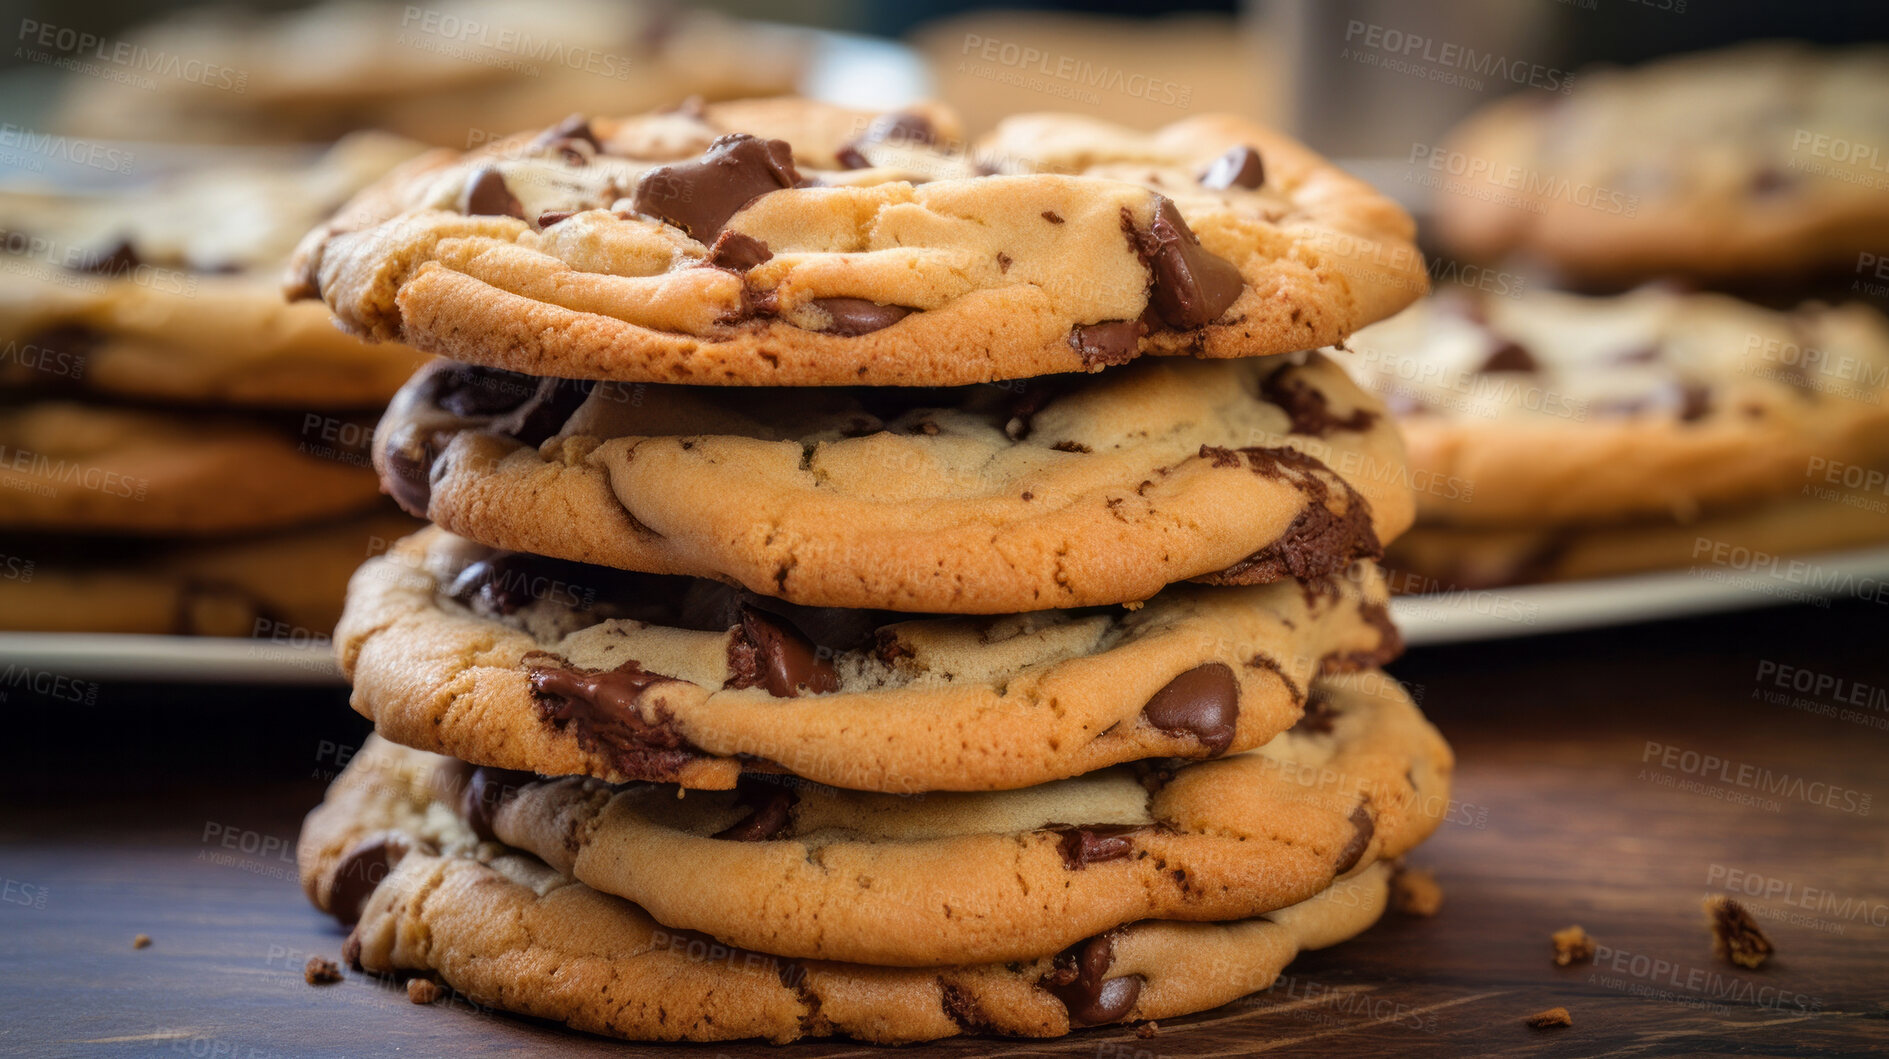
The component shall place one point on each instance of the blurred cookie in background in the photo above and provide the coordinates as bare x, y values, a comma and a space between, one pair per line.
272, 585
453, 73
1555, 436
1761, 161
1140, 72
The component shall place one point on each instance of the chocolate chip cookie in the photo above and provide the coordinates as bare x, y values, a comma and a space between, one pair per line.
283, 586
1060, 492
787, 242
101, 469
166, 291
1555, 410
521, 662
1759, 160
505, 931
808, 871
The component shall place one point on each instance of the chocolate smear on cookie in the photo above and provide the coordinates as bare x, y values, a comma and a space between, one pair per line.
858, 316
1239, 167
1191, 286
602, 707
1363, 826
770, 813
1081, 846
768, 651
1080, 980
1308, 408
699, 196
1203, 702
360, 872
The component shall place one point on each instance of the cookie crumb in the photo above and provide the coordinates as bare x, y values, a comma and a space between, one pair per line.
422, 990
1735, 935
142, 941
1134, 604
1572, 945
318, 971
1147, 1030
1553, 1018
1414, 892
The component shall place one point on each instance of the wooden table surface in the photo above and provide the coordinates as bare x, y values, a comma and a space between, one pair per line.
172, 812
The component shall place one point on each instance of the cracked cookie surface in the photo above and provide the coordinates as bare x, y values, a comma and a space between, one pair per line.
1060, 492
519, 662
786, 242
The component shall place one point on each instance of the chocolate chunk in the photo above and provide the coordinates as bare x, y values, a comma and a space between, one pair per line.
564, 138
737, 252
699, 196
1363, 827
1509, 355
546, 220
117, 261
502, 583
601, 706
1111, 342
1081, 982
1203, 702
850, 158
1239, 167
1192, 287
903, 127
1308, 408
768, 651
1052, 217
857, 316
1098, 842
486, 790
487, 196
771, 809
407, 458
361, 870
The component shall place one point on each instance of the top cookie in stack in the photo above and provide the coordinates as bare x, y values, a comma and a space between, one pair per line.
789, 243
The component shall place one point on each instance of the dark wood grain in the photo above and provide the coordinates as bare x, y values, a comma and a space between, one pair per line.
118, 814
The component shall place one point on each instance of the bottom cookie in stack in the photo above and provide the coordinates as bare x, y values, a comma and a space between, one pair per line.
786, 909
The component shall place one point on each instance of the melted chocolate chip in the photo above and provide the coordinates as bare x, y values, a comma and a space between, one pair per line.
850, 158
486, 195
1239, 167
601, 706
1081, 982
551, 217
1319, 541
768, 651
545, 412
407, 458
737, 252
1363, 826
770, 814
1113, 342
565, 135
1082, 846
471, 391
1203, 702
857, 316
486, 790
1310, 412
360, 872
902, 128
699, 196
1510, 355
1192, 287
503, 583
1052, 217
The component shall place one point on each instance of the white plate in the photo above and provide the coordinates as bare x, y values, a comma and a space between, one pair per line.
1460, 617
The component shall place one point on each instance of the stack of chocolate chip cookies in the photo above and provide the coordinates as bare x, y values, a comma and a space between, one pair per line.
878, 587
181, 452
